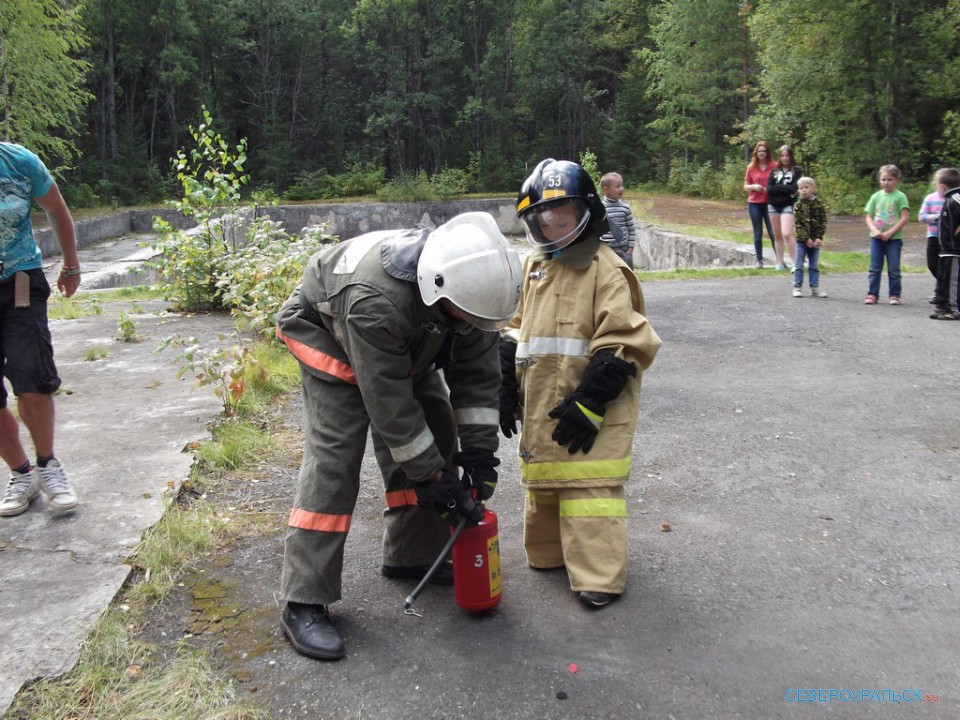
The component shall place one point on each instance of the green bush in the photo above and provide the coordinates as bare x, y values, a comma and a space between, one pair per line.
254, 281
451, 182
697, 179
358, 180
588, 161
408, 188
308, 186
80, 195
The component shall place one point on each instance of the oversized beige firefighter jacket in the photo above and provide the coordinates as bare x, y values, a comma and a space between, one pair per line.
583, 301
358, 318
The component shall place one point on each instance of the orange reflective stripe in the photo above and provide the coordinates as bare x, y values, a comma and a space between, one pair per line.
311, 357
322, 522
401, 498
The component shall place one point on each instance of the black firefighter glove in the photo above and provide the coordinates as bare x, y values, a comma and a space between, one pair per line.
509, 392
448, 498
581, 414
478, 470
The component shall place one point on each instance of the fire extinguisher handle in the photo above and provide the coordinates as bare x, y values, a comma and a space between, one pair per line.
412, 597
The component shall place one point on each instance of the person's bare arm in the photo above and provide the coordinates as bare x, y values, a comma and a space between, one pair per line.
61, 222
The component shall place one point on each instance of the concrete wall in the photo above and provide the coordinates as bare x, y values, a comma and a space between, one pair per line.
657, 247
349, 219
661, 249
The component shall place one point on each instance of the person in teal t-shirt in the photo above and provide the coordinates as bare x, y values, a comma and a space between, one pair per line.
26, 350
888, 211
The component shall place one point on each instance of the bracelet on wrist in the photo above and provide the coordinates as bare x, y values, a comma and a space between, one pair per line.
69, 271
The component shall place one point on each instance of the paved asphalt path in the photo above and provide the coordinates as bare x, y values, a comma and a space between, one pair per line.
803, 453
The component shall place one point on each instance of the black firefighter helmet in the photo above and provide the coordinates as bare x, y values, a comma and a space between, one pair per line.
553, 185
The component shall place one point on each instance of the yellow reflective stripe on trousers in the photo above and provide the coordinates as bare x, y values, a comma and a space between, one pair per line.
593, 507
576, 469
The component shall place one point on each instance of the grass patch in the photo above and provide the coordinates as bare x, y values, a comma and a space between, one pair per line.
236, 444
87, 304
271, 372
831, 263
130, 292
181, 535
72, 308
95, 352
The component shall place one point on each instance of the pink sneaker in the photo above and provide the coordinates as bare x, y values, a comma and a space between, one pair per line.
894, 299
870, 300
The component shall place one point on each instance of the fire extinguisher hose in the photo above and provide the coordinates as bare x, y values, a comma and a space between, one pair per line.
412, 597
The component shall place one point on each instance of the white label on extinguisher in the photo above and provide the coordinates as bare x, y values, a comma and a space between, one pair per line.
493, 555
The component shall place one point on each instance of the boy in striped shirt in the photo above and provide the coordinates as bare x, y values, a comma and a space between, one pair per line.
623, 233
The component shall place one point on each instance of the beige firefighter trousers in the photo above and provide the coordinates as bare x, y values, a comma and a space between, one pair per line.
583, 529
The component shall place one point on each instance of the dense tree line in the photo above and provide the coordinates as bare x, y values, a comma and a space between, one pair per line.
109, 88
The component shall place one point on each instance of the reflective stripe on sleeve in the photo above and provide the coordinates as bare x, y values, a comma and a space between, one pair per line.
420, 443
477, 416
401, 498
576, 469
313, 358
575, 347
321, 522
593, 507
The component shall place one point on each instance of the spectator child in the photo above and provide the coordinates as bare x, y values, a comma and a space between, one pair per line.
948, 265
930, 214
887, 212
623, 232
810, 220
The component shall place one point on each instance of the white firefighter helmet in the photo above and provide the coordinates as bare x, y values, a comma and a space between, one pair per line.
468, 261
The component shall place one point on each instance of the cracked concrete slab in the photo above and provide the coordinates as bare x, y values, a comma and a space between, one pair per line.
122, 424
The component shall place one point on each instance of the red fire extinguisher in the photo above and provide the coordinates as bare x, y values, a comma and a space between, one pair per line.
476, 565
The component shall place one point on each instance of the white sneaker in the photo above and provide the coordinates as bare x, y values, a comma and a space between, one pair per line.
21, 489
53, 481
797, 292
817, 292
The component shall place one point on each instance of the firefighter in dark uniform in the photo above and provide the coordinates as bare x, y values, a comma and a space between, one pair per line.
373, 322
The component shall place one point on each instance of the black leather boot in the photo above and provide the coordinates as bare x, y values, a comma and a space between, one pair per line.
310, 631
596, 599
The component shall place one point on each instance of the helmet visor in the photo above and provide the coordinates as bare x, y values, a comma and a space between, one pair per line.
552, 227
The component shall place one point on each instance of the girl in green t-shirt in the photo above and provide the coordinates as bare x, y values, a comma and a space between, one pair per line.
888, 210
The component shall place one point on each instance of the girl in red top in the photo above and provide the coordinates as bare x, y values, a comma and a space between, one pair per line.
755, 183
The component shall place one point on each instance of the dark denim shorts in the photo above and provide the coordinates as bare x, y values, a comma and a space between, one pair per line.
26, 350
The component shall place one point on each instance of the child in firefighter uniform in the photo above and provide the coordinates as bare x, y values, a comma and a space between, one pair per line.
372, 323
572, 359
